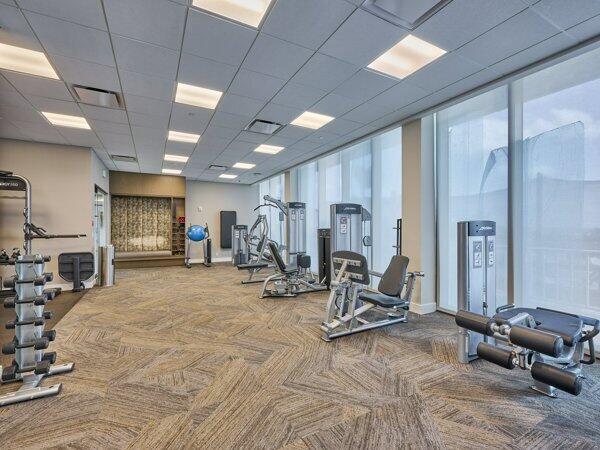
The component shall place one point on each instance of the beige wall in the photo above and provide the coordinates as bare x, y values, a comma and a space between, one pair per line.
148, 185
62, 189
213, 198
418, 209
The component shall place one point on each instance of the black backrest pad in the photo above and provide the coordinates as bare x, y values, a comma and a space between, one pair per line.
86, 265
277, 256
362, 269
303, 261
393, 278
228, 219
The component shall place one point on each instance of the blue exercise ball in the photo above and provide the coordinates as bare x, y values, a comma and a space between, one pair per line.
196, 233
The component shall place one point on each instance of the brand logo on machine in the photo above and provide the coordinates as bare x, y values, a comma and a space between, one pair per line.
486, 228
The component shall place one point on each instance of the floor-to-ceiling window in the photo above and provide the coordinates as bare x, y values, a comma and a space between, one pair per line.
275, 188
559, 208
472, 171
367, 173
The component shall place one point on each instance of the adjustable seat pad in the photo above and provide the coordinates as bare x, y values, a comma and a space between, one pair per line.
565, 325
390, 286
252, 266
279, 261
385, 301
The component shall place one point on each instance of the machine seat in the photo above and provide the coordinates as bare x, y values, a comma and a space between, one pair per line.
281, 267
250, 266
567, 326
385, 301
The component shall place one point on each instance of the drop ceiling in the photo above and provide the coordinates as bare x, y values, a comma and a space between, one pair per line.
305, 55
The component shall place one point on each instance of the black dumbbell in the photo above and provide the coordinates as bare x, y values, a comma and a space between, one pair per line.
42, 367
50, 356
9, 283
49, 334
9, 373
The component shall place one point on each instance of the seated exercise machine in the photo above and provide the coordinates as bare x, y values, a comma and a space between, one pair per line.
289, 281
548, 343
256, 253
199, 233
30, 364
349, 300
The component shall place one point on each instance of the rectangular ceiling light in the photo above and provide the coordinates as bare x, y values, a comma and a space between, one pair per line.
62, 120
176, 158
242, 165
197, 96
406, 57
25, 61
172, 171
270, 149
249, 12
311, 120
178, 136
227, 176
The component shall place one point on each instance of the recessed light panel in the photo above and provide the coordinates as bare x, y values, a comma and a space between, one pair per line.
197, 96
178, 136
171, 171
176, 158
249, 12
62, 120
270, 149
406, 57
311, 120
243, 165
227, 176
25, 61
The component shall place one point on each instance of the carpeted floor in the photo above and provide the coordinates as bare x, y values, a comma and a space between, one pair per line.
177, 358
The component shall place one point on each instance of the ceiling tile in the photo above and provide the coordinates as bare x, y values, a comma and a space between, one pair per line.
362, 38
321, 137
335, 105
149, 120
84, 12
148, 59
110, 127
308, 23
534, 53
324, 72
5, 86
519, 32
461, 21
44, 87
14, 29
298, 96
53, 105
219, 132
83, 138
566, 14
240, 147
59, 36
399, 95
205, 73
8, 2
367, 112
442, 72
280, 141
255, 85
293, 132
148, 105
341, 126
155, 21
114, 139
364, 85
147, 86
256, 138
586, 30
228, 120
13, 100
212, 143
106, 114
76, 71
216, 39
233, 103
279, 113
275, 57
189, 119
150, 134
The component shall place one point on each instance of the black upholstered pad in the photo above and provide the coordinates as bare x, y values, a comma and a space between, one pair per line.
565, 325
279, 260
385, 301
392, 281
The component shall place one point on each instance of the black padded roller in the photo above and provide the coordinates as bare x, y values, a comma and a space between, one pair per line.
560, 379
474, 322
497, 355
537, 340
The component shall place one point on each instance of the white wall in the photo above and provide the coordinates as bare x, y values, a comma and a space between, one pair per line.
213, 198
62, 192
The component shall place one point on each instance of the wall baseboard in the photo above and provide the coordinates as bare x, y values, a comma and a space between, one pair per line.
423, 308
216, 260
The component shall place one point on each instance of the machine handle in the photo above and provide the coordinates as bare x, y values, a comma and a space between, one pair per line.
504, 308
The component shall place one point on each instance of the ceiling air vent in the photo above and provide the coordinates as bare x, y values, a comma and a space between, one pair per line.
408, 14
98, 97
263, 126
123, 158
217, 167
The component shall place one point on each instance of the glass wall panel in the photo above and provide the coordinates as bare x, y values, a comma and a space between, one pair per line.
274, 187
560, 204
472, 170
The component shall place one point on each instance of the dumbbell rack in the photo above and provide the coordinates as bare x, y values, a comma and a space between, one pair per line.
30, 364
